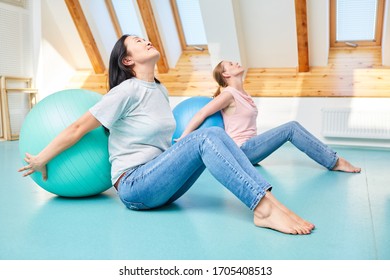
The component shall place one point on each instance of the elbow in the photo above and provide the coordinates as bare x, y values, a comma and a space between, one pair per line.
201, 116
74, 132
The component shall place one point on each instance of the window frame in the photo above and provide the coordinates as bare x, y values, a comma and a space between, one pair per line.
378, 28
180, 30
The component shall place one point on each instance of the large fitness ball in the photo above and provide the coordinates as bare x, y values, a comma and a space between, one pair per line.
84, 168
185, 110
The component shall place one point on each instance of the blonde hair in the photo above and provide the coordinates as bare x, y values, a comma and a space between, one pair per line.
219, 78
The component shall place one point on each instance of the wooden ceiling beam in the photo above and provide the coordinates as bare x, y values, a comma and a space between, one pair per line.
86, 36
114, 18
147, 14
302, 37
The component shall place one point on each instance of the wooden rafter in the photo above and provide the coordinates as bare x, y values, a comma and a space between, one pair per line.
179, 26
86, 36
146, 10
114, 18
302, 37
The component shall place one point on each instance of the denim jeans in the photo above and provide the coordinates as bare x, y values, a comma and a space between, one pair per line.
167, 177
261, 146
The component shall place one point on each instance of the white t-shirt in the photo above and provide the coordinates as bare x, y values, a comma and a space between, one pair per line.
140, 121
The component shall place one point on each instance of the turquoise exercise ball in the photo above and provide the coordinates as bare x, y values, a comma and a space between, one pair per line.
83, 169
185, 110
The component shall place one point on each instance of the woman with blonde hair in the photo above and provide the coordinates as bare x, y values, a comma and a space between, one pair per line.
239, 114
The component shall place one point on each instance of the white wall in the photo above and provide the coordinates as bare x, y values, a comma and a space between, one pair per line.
60, 32
259, 34
240, 32
270, 33
386, 36
61, 50
36, 25
16, 40
318, 31
308, 112
221, 28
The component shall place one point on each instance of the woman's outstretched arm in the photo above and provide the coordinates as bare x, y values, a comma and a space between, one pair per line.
222, 101
67, 138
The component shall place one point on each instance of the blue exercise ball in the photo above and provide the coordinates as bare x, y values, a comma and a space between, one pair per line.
83, 169
185, 110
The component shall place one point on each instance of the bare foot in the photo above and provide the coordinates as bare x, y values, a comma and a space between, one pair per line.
290, 213
268, 215
344, 166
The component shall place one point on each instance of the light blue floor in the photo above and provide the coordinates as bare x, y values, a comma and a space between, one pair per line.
351, 213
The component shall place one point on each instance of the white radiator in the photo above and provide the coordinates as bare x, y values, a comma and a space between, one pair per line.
351, 123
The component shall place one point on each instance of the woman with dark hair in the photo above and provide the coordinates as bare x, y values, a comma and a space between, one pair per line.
239, 114
146, 170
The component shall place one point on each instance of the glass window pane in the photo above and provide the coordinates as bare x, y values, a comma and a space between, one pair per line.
192, 22
356, 20
127, 17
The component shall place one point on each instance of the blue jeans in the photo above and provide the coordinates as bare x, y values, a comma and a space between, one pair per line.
261, 146
167, 177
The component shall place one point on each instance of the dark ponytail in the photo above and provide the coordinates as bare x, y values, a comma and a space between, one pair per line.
117, 71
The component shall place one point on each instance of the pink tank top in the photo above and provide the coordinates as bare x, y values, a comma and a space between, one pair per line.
241, 125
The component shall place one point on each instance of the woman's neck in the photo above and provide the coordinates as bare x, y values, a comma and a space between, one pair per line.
238, 84
145, 73
147, 77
